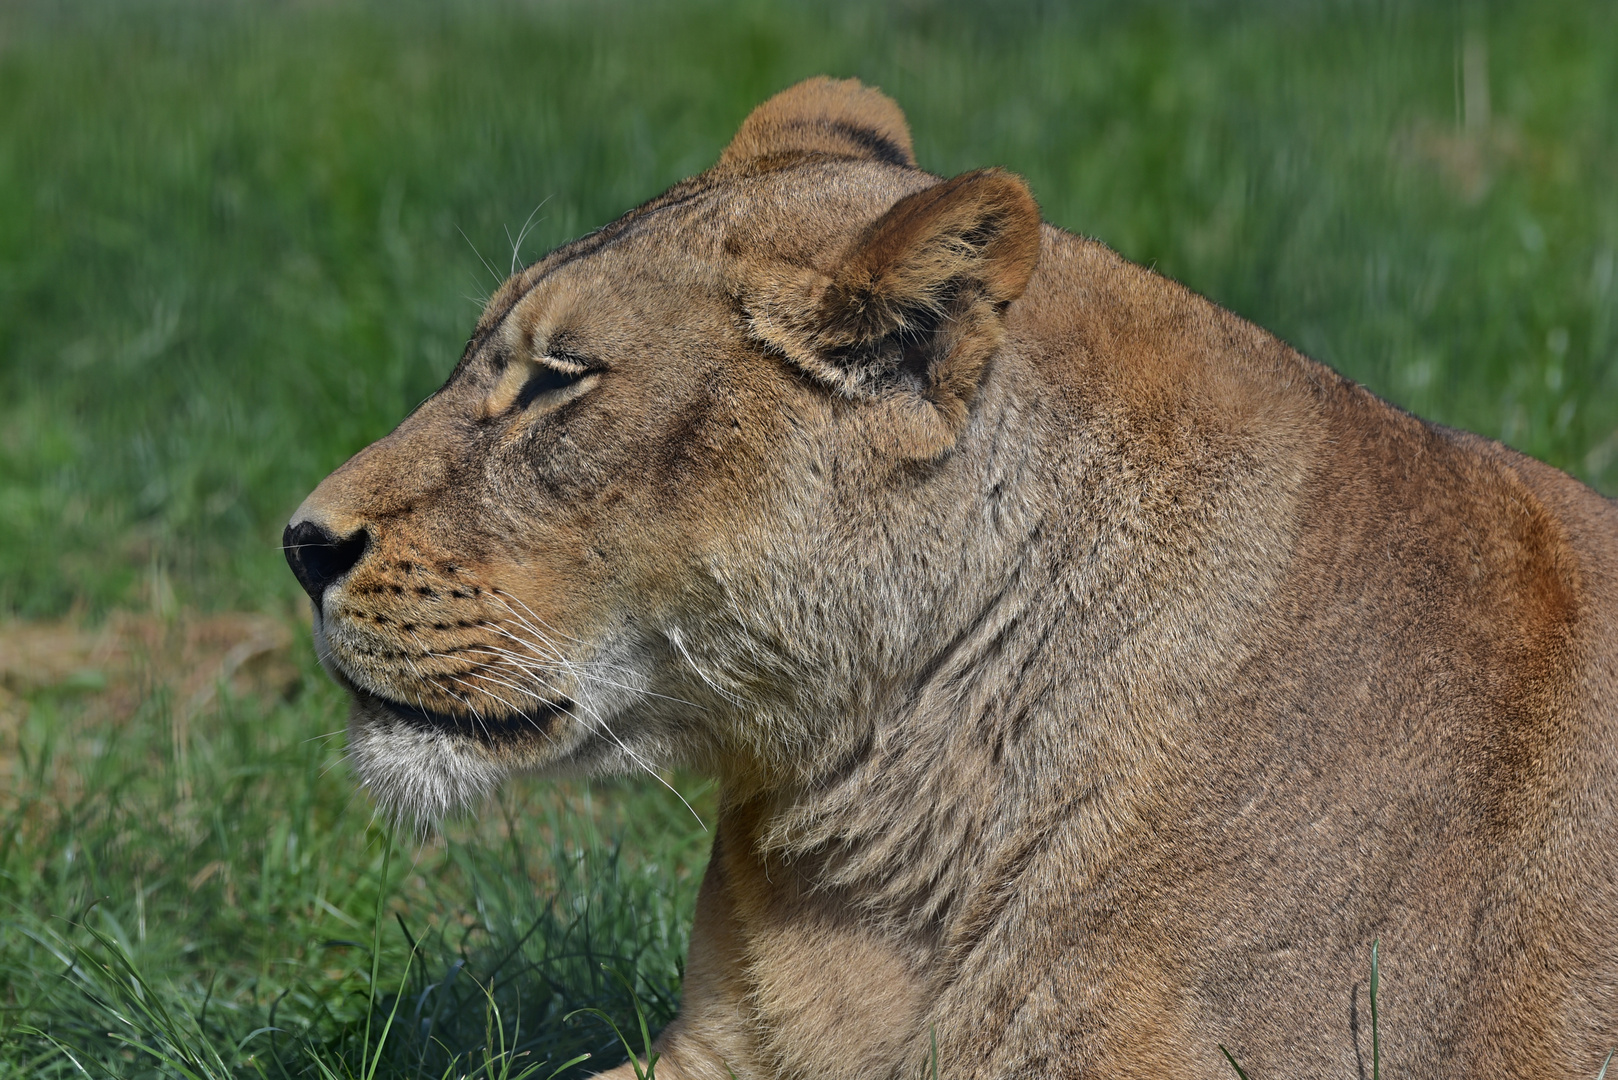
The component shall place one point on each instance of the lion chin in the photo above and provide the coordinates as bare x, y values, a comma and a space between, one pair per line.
423, 766
1089, 677
419, 774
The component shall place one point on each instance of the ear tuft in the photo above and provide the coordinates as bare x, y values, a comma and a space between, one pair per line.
827, 116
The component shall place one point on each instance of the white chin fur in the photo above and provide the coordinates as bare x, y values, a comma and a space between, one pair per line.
419, 775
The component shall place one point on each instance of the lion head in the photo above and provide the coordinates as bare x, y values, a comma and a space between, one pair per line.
703, 485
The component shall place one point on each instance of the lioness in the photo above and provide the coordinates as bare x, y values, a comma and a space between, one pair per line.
1090, 677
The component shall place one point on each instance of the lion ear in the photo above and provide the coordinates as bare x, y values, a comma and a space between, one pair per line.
821, 115
920, 298
971, 239
910, 314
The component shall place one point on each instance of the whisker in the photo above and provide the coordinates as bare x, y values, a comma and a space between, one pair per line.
563, 662
484, 673
679, 647
500, 594
575, 670
599, 723
486, 264
425, 651
520, 712
544, 642
522, 233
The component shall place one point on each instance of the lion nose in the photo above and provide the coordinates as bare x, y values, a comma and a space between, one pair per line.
318, 558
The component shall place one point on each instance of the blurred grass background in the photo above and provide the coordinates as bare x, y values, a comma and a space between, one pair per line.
232, 251
239, 240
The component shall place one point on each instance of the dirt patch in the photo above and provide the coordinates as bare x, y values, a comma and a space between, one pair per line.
119, 664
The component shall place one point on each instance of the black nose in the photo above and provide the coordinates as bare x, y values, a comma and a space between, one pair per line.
318, 558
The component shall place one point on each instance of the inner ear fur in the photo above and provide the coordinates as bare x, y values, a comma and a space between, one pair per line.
828, 116
917, 302
975, 237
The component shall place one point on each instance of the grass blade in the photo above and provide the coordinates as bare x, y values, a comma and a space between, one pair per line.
1232, 1061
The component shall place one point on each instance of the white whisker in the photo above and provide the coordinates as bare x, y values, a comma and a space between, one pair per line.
486, 264
679, 647
522, 233
473, 709
571, 668
519, 712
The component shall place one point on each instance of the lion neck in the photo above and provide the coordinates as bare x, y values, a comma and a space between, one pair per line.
1116, 564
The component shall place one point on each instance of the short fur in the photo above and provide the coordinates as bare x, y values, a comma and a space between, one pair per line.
1090, 677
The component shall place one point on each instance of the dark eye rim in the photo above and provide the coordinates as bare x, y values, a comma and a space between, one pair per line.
549, 376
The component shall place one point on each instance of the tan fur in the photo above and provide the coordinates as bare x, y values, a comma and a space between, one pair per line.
821, 115
1091, 678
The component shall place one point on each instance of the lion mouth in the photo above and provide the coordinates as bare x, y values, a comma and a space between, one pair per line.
485, 727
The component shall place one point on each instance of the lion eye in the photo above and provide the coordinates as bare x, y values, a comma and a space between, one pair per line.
547, 377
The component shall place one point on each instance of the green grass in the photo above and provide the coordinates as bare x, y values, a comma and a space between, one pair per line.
159, 902
237, 243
